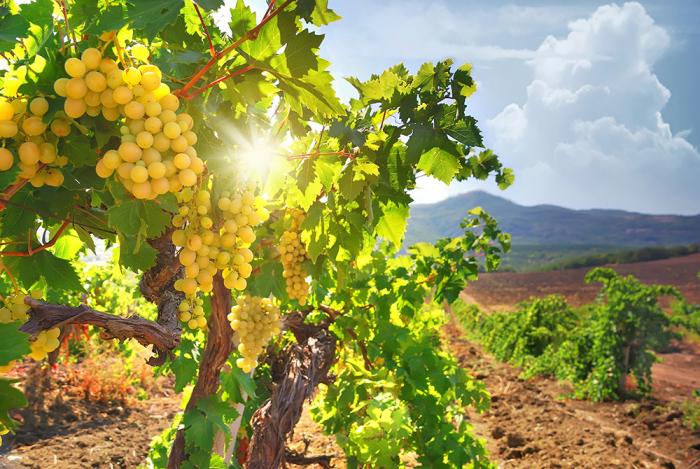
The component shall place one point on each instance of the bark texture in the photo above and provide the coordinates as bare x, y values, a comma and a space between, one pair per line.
307, 365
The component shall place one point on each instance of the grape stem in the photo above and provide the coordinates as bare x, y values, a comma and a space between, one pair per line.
250, 35
30, 251
198, 91
206, 30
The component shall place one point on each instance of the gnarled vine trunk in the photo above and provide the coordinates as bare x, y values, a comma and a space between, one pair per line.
307, 365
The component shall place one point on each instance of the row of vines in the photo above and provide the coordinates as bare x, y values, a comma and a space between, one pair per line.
595, 347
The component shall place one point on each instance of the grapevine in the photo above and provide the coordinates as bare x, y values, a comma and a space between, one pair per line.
219, 166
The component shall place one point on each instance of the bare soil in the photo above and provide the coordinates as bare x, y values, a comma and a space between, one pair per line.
532, 424
501, 290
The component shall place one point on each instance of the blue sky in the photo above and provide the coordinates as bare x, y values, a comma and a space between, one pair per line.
593, 104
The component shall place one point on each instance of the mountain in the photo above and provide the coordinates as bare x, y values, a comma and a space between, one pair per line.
550, 225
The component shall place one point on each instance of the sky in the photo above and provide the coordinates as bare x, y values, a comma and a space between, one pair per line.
593, 104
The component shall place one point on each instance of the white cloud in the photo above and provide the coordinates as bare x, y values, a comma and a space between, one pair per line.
590, 132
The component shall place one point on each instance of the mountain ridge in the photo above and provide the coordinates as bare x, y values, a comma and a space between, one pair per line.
548, 224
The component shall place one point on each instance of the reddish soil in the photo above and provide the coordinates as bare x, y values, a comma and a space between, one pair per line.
501, 290
532, 425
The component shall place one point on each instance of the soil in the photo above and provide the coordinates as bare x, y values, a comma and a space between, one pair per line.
501, 290
531, 424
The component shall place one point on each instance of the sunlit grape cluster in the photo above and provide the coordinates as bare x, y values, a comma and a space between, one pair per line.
209, 247
45, 343
255, 320
39, 162
156, 154
14, 308
192, 313
293, 255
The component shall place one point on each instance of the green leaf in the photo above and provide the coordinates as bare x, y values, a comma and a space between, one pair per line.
14, 344
10, 398
12, 27
59, 273
79, 150
16, 219
392, 223
153, 16
439, 163
210, 4
136, 255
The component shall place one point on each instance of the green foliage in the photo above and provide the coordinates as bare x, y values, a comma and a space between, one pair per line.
351, 168
595, 348
624, 257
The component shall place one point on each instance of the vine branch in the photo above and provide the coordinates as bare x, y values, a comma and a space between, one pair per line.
31, 251
212, 51
250, 35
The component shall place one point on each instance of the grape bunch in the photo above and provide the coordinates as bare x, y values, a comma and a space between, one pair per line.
293, 255
45, 343
156, 154
14, 308
39, 162
255, 320
192, 313
209, 247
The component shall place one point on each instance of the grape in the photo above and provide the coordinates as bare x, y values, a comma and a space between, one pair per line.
134, 110
8, 129
60, 127
103, 170
130, 152
172, 130
59, 86
54, 177
6, 159
96, 81
139, 174
153, 109
47, 153
76, 88
187, 177
156, 170
181, 161
142, 190
33, 126
29, 153
92, 99
107, 99
111, 159
153, 125
92, 58
107, 66
110, 114
74, 108
39, 106
122, 95
132, 76
7, 111
75, 68
45, 343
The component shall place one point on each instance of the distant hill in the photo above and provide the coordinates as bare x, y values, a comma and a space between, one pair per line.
550, 233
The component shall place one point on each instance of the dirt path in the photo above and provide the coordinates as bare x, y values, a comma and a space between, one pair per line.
532, 425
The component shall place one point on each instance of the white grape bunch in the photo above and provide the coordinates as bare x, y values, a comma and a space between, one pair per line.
209, 246
255, 320
293, 254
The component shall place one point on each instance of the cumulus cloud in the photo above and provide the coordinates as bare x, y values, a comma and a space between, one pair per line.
590, 132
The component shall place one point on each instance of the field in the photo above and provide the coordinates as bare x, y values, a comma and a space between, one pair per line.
530, 423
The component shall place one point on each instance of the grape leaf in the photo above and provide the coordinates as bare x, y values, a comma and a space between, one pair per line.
12, 27
152, 16
392, 223
439, 163
14, 344
10, 398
